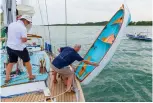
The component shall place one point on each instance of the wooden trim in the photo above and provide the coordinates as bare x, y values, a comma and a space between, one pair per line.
34, 35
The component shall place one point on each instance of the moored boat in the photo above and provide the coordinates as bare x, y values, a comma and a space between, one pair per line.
140, 36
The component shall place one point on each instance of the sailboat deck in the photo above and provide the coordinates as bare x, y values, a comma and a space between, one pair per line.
59, 88
55, 89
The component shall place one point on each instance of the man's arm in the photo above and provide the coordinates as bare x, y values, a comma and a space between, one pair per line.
24, 40
79, 58
23, 35
61, 49
90, 63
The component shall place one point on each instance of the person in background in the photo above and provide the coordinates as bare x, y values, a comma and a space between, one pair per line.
16, 47
61, 63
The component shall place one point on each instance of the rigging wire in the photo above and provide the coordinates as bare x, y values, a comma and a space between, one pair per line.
66, 23
41, 15
48, 22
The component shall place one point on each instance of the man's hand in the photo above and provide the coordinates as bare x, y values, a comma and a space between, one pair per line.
90, 63
95, 64
59, 50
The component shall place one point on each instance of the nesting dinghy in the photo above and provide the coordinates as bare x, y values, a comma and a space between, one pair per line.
104, 46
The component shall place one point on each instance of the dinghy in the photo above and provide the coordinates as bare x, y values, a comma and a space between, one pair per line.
104, 46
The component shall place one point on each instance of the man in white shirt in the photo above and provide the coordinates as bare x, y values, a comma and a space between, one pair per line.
17, 37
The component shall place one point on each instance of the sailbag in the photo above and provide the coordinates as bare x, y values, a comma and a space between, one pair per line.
104, 46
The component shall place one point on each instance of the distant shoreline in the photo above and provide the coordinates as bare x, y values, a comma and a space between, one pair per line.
139, 23
90, 25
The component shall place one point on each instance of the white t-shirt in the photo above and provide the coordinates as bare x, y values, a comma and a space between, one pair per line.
16, 31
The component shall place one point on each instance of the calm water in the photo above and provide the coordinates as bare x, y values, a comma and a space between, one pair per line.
127, 77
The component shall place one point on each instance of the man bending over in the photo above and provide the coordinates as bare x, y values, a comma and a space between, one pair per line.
66, 57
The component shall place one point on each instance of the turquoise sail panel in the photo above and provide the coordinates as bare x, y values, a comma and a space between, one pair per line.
23, 77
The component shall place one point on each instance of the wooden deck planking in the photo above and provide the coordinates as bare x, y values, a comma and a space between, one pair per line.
36, 98
74, 98
29, 97
21, 99
25, 98
14, 99
62, 87
58, 88
61, 91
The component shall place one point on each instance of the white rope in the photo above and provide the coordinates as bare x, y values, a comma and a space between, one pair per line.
54, 96
41, 16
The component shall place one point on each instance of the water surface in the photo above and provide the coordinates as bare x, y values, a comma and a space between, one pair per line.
127, 77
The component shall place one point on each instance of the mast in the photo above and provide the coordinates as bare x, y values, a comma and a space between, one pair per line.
9, 9
4, 13
48, 22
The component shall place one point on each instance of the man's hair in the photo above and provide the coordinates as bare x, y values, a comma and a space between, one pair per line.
23, 19
77, 46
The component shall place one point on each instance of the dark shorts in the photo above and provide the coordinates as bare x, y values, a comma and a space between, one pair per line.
14, 54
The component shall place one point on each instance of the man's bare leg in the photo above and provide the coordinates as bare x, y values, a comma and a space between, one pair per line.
54, 77
8, 71
29, 70
65, 81
69, 83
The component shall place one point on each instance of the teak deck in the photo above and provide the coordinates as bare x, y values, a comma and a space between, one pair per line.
55, 89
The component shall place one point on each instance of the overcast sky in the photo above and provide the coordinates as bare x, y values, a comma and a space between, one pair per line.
80, 11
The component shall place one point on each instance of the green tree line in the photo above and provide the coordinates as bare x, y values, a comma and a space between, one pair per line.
132, 23
143, 23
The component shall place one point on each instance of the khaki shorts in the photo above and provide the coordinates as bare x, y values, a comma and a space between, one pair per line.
66, 71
